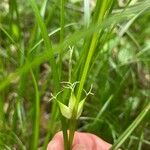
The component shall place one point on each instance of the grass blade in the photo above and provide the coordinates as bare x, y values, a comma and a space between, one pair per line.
131, 128
36, 124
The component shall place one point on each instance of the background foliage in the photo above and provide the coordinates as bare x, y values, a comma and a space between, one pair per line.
110, 42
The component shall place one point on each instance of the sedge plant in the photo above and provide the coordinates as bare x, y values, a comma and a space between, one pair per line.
68, 111
108, 43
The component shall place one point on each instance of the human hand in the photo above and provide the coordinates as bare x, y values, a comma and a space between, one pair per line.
82, 141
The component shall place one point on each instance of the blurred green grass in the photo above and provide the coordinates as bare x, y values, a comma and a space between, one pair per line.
111, 51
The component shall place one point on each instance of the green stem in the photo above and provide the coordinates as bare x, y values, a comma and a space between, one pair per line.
62, 30
91, 52
36, 123
65, 134
93, 44
72, 127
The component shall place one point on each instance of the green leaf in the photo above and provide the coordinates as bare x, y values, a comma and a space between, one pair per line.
80, 108
66, 111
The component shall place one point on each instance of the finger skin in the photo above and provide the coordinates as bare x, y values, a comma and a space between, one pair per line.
91, 141
79, 147
56, 143
83, 139
86, 141
99, 143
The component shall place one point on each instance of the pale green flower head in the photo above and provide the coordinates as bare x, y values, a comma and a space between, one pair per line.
67, 111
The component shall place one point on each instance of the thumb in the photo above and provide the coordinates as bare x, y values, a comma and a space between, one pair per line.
55, 145
79, 147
